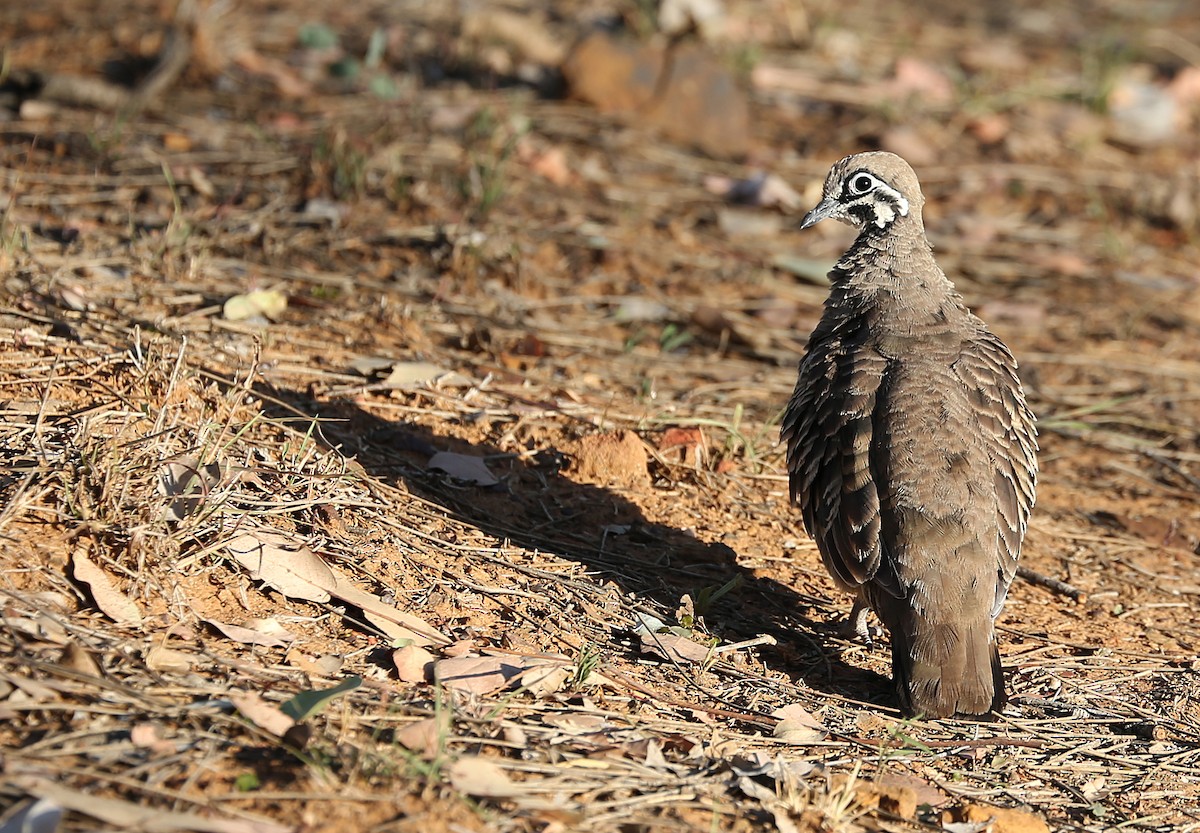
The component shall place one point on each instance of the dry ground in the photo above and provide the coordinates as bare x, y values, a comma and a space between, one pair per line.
473, 267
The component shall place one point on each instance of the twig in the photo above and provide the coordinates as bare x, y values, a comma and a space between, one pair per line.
1052, 584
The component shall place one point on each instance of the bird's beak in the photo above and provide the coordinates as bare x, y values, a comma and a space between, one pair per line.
825, 209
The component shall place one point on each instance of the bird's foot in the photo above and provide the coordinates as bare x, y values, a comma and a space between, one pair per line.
856, 627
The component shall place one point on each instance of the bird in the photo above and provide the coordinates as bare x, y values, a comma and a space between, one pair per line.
911, 449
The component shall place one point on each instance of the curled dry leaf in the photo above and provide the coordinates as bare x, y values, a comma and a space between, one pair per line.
395, 623
111, 601
407, 374
146, 736
188, 483
412, 374
544, 680
477, 675
481, 777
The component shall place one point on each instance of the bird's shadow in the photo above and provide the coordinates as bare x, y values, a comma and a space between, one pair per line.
538, 508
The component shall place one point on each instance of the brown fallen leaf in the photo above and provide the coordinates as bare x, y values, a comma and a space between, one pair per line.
159, 658
675, 648
266, 632
797, 725
261, 305
146, 736
112, 602
395, 623
283, 563
477, 675
293, 569
544, 680
486, 674
78, 658
413, 664
125, 815
424, 736
262, 714
480, 776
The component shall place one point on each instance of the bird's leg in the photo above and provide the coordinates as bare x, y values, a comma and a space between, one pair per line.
856, 623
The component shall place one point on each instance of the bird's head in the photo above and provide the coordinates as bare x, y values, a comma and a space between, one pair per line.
869, 191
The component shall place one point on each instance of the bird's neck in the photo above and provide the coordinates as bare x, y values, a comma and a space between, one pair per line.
893, 266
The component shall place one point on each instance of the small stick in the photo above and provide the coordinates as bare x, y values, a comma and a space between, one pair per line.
1052, 584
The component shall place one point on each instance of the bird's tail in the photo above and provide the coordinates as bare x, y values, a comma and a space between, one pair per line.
941, 670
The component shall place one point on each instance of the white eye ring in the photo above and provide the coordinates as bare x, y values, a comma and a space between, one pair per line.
861, 183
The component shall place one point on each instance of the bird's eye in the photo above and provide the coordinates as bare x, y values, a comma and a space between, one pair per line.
861, 183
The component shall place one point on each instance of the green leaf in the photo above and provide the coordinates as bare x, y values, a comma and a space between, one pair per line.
317, 36
246, 782
307, 704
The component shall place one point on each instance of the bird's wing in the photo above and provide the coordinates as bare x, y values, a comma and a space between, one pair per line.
989, 372
828, 431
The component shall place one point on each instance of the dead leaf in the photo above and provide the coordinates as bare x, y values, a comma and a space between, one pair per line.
552, 165
159, 658
262, 714
479, 776
296, 571
413, 664
922, 80
257, 305
762, 189
544, 680
41, 627
797, 725
486, 674
669, 646
40, 816
284, 564
146, 736
477, 675
413, 374
463, 467
325, 666
707, 17
577, 724
189, 483
78, 658
112, 602
266, 632
424, 736
395, 623
125, 815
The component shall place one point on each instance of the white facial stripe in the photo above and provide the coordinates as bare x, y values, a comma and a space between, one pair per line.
888, 203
